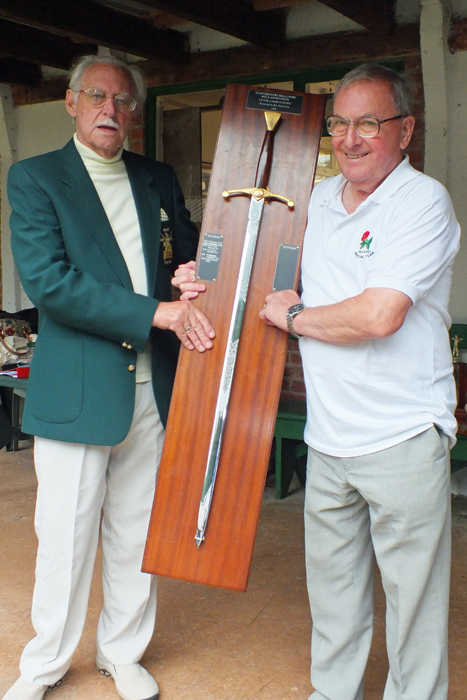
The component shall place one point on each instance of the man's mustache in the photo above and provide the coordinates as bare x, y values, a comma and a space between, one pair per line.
108, 122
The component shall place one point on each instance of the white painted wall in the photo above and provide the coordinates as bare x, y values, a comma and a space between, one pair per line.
434, 33
457, 186
457, 174
41, 128
445, 141
445, 88
313, 18
11, 284
33, 129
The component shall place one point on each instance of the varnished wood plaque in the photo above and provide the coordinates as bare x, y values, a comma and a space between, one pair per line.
223, 559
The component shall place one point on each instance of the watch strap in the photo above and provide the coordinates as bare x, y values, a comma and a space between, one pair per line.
293, 311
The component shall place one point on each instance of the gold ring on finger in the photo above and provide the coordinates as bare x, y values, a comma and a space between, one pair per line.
188, 329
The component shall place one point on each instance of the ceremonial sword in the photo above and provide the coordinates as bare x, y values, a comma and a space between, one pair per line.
258, 195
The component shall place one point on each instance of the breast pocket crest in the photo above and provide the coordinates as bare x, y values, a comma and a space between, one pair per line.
166, 238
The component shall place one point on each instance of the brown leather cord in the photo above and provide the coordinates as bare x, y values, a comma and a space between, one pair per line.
13, 351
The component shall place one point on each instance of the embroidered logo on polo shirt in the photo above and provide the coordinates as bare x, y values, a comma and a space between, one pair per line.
166, 238
365, 243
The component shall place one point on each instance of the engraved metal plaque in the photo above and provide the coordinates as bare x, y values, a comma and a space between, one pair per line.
274, 102
210, 256
286, 267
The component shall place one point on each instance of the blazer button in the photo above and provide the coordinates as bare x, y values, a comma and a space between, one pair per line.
129, 347
131, 368
124, 345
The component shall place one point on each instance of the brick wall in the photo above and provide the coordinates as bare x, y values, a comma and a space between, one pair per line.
136, 137
416, 148
293, 384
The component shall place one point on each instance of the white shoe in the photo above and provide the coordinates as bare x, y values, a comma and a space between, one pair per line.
132, 681
22, 690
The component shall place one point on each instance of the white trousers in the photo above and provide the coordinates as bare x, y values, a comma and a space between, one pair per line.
394, 504
75, 484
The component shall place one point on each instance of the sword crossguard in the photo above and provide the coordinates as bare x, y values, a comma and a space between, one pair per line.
259, 193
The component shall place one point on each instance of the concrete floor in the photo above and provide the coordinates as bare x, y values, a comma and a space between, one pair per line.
209, 644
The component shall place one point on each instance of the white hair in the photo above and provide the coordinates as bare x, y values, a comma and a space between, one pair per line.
374, 72
133, 72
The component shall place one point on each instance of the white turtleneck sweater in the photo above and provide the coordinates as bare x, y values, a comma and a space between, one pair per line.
110, 179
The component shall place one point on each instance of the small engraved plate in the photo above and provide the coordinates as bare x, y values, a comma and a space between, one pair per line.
210, 256
286, 267
274, 102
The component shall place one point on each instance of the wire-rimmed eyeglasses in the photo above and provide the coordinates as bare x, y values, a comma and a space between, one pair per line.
366, 127
97, 97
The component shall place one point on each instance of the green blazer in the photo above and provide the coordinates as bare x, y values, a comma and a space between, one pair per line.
92, 324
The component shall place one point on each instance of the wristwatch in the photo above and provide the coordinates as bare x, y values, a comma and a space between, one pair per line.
290, 315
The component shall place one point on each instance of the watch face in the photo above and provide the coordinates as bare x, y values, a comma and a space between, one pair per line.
295, 310
290, 315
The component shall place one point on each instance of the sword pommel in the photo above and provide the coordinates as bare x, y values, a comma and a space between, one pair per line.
272, 120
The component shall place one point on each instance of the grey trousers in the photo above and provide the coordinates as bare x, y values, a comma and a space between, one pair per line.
395, 505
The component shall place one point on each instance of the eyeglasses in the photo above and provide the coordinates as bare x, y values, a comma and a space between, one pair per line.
124, 103
366, 127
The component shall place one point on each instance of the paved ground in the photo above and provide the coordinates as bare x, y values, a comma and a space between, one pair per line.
209, 644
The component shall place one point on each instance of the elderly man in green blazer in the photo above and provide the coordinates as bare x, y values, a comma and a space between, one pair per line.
97, 233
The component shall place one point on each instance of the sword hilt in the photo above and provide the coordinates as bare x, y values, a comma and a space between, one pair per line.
259, 193
265, 157
261, 189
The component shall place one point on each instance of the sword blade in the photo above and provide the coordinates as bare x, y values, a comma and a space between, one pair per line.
263, 171
228, 367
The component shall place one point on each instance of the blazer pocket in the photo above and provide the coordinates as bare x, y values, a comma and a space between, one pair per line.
55, 387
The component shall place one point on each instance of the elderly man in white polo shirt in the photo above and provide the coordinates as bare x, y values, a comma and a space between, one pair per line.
373, 327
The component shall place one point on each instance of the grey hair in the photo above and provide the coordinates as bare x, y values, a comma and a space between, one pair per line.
134, 73
375, 73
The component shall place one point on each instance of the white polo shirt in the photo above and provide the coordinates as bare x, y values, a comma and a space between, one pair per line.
367, 397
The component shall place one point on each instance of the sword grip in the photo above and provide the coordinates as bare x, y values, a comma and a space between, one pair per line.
263, 170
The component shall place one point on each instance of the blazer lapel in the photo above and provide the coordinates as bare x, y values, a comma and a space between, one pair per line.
148, 206
84, 197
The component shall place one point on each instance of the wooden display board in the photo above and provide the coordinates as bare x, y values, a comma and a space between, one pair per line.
224, 558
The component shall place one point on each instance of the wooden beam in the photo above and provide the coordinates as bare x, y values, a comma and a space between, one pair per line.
35, 46
87, 21
51, 91
165, 20
458, 36
312, 53
264, 5
375, 15
19, 72
232, 17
